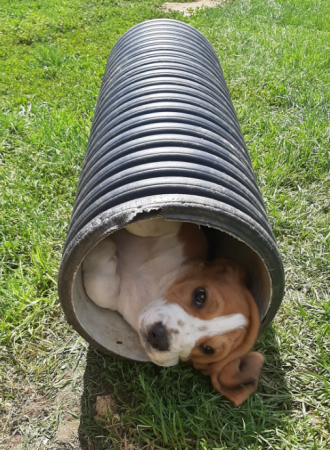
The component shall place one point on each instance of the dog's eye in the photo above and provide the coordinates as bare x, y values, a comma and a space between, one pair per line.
207, 350
199, 297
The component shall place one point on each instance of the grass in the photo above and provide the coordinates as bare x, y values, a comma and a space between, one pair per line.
276, 59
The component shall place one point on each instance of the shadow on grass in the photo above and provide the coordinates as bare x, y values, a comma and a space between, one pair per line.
154, 407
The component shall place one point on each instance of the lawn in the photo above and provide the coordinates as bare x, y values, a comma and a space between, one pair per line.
276, 59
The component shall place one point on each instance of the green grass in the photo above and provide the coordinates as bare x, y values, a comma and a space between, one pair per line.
276, 58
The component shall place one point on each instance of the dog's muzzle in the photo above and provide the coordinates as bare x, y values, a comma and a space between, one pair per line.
160, 334
168, 333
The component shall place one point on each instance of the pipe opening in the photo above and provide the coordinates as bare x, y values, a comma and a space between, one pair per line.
108, 330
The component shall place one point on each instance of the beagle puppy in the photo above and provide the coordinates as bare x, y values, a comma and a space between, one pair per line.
155, 274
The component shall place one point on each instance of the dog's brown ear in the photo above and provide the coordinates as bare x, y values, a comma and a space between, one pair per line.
236, 375
238, 379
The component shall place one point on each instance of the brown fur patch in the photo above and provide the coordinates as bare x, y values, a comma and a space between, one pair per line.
224, 286
233, 371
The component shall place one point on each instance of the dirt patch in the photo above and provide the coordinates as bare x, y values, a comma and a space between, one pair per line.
35, 406
187, 8
14, 443
69, 413
67, 431
105, 404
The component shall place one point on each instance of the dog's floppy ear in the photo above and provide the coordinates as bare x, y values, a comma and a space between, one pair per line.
238, 379
236, 376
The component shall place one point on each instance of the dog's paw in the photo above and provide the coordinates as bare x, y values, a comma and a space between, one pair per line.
100, 276
155, 227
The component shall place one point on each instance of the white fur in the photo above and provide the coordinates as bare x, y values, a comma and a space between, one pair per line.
100, 274
145, 268
130, 273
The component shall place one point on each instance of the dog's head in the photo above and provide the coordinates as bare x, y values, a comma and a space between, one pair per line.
210, 318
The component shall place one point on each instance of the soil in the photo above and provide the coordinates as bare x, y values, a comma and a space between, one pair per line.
187, 8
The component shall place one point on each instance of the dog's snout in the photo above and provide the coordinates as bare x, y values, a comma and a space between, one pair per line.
157, 337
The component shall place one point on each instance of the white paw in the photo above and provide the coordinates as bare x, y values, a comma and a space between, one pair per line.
153, 227
100, 276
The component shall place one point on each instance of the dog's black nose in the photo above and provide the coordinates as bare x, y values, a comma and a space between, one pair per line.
157, 337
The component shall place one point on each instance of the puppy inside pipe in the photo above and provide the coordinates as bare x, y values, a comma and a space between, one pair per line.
155, 273
169, 253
